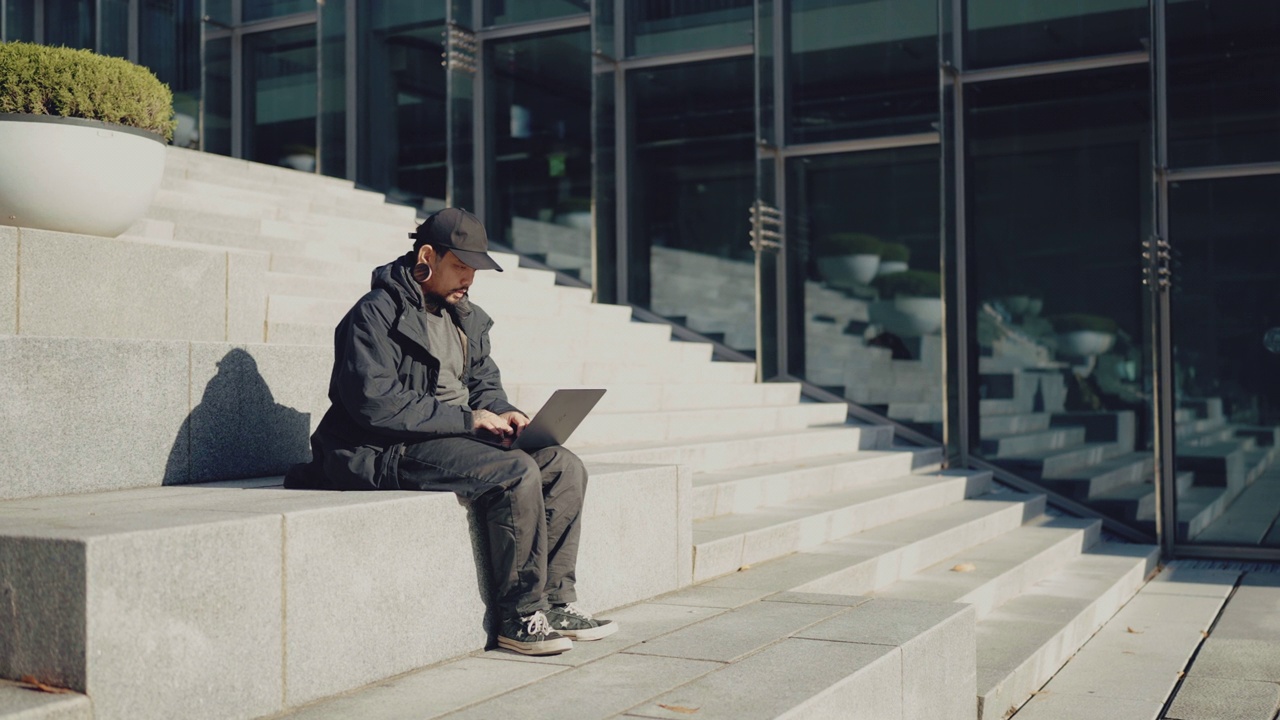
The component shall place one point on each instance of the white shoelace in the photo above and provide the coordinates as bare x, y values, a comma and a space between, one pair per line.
573, 610
537, 624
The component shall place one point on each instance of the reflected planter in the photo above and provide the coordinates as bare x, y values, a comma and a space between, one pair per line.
889, 267
76, 176
1084, 343
848, 270
908, 316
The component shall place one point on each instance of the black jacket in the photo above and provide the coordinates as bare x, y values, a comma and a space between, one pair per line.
383, 386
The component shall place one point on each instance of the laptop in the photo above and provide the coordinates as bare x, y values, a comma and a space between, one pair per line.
558, 418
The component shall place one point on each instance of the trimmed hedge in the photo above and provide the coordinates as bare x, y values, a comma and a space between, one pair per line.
909, 283
44, 80
851, 244
1074, 322
895, 252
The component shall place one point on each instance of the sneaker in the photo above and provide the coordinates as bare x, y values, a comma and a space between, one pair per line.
574, 623
532, 635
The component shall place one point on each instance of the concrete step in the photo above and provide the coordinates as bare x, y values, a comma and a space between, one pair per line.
724, 544
1058, 463
1131, 666
1023, 643
710, 454
1097, 480
793, 656
241, 599
636, 397
992, 426
989, 574
1021, 444
21, 702
745, 489
655, 427
1251, 516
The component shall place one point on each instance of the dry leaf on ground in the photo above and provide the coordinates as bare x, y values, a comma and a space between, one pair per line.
1135, 632
679, 709
30, 683
964, 567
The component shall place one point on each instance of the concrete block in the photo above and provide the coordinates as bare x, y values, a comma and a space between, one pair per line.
796, 679
1178, 579
246, 300
939, 666
139, 289
1239, 658
8, 280
361, 606
631, 545
254, 408
178, 613
76, 406
714, 597
1213, 698
20, 703
734, 635
597, 690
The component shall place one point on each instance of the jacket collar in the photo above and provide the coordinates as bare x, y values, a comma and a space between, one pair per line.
396, 278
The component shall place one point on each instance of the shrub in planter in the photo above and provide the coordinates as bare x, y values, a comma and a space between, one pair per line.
912, 283
88, 133
849, 259
1082, 335
894, 258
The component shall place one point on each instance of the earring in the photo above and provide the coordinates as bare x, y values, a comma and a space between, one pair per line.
421, 272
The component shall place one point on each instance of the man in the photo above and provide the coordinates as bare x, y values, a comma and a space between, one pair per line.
418, 404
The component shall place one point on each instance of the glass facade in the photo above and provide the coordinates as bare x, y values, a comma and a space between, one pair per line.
1038, 232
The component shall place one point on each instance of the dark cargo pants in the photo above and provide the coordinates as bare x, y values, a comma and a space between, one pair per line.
529, 502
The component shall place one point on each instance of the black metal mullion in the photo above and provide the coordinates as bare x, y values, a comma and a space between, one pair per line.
1161, 322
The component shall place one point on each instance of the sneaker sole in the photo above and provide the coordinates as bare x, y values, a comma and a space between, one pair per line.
594, 633
544, 647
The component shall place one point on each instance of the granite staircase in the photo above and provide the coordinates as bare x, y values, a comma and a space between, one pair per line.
764, 556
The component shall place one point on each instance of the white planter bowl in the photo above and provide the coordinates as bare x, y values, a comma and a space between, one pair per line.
580, 219
908, 316
1084, 343
76, 176
849, 270
889, 267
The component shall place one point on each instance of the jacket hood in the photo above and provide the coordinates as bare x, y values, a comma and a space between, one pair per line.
396, 277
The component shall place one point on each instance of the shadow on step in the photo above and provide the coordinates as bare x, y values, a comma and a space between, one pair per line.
238, 430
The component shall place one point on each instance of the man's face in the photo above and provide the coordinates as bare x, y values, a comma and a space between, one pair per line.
450, 277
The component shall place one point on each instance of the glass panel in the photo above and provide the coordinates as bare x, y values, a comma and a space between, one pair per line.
333, 88
504, 12
402, 111
604, 269
1058, 196
263, 9
460, 184
691, 187
658, 27
999, 32
215, 128
20, 21
1226, 333
540, 120
169, 44
603, 25
862, 69
115, 28
69, 22
863, 238
1224, 82
280, 97
219, 12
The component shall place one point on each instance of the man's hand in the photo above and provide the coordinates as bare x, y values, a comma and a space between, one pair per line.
517, 420
487, 421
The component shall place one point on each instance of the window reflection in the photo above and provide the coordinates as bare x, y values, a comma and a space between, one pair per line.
1225, 304
863, 235
692, 182
541, 129
657, 27
280, 97
1057, 214
999, 32
503, 12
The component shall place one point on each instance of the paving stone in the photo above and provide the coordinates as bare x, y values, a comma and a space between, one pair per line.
1213, 698
796, 678
1239, 658
174, 292
596, 690
8, 280
1064, 706
818, 599
704, 595
1177, 579
732, 635
20, 703
429, 693
75, 406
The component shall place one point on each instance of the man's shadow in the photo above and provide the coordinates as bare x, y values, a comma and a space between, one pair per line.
238, 430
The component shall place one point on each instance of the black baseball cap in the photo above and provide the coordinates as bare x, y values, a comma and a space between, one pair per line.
460, 232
